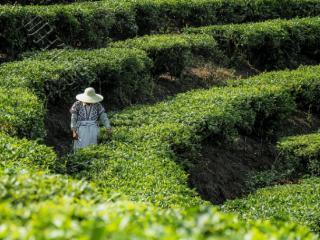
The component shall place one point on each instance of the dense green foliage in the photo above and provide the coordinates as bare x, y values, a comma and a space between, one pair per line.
22, 187
292, 202
139, 185
21, 113
172, 53
93, 24
301, 153
167, 15
268, 45
25, 153
124, 73
62, 218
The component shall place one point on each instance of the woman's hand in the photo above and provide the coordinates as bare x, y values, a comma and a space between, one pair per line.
75, 135
109, 131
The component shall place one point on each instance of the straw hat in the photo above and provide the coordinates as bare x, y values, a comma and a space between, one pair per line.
89, 96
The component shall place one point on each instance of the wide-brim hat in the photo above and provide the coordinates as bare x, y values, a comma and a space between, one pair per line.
89, 96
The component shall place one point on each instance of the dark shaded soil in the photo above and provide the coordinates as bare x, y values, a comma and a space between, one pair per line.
221, 172
58, 130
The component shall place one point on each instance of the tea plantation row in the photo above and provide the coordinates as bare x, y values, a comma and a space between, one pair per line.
128, 69
93, 24
272, 44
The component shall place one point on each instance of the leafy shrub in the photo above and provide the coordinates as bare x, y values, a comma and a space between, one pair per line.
303, 84
301, 154
272, 44
63, 219
93, 24
292, 202
121, 74
24, 187
21, 113
166, 15
172, 53
26, 153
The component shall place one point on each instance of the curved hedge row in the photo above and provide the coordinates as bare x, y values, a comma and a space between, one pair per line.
273, 44
172, 52
292, 202
91, 25
22, 187
62, 219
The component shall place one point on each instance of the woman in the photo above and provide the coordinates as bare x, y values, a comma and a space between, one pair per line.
85, 114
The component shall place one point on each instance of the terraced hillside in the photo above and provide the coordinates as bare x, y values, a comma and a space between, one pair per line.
191, 129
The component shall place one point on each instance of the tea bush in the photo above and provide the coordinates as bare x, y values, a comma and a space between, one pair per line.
291, 202
22, 187
21, 113
301, 153
93, 24
302, 82
123, 75
165, 15
80, 25
62, 218
172, 52
29, 154
269, 45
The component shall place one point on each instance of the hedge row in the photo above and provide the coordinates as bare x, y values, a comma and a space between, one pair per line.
63, 219
122, 75
88, 25
22, 113
292, 202
21, 186
273, 44
172, 53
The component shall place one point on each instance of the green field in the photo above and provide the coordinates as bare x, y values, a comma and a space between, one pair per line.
214, 106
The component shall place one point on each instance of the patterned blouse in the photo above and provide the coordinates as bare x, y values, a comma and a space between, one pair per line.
88, 112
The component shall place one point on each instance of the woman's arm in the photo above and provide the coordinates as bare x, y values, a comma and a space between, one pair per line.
74, 118
73, 123
105, 120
